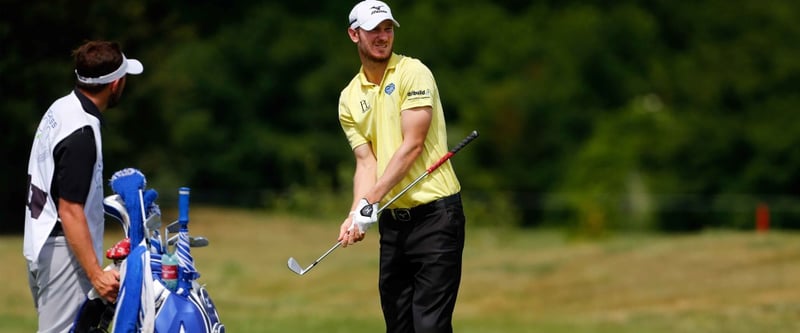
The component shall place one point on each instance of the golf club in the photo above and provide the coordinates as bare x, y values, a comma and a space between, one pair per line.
115, 207
173, 227
144, 214
170, 229
194, 241
294, 266
152, 224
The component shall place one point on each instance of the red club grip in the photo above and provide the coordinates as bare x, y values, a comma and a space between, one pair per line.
453, 151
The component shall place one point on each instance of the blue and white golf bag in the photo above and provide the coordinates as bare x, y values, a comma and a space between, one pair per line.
144, 303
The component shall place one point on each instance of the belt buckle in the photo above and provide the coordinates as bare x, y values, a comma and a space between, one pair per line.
402, 214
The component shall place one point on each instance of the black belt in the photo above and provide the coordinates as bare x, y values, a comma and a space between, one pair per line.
407, 214
57, 230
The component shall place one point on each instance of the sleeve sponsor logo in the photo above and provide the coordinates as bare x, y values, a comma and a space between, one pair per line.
419, 94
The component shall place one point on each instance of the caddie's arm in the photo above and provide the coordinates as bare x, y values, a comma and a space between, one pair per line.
76, 230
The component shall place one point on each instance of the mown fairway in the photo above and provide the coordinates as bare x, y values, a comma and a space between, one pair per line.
514, 281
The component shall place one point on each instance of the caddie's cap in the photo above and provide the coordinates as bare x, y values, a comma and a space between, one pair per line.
368, 14
128, 66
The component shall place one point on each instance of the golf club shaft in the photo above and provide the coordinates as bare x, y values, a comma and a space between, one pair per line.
428, 171
433, 167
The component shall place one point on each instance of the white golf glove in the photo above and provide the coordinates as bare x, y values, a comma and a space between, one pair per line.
365, 215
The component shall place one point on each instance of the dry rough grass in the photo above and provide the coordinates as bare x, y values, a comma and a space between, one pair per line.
514, 281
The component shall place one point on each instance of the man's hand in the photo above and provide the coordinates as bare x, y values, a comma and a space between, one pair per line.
356, 224
106, 283
365, 215
346, 234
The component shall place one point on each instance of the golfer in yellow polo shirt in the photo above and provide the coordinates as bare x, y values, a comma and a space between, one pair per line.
394, 121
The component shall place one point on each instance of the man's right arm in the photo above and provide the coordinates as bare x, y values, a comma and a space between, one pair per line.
75, 157
76, 230
364, 179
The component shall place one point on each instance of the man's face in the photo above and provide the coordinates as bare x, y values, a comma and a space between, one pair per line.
377, 44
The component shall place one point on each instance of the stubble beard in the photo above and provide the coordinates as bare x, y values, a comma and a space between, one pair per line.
377, 59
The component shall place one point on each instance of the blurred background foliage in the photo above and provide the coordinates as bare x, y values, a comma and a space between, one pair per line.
598, 116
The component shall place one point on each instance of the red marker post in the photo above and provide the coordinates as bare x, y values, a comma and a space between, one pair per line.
762, 217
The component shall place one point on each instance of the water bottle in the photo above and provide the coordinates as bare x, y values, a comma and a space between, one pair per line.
169, 270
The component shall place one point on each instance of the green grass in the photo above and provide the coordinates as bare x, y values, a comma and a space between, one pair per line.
514, 281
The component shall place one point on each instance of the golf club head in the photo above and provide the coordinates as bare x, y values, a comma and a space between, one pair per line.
198, 241
172, 240
294, 266
114, 206
173, 227
153, 222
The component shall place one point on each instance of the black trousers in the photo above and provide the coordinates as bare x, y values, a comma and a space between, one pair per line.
420, 265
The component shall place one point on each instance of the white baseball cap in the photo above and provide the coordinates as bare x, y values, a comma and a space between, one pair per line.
128, 66
368, 14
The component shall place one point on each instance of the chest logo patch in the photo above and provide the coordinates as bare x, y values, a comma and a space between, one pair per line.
389, 89
364, 106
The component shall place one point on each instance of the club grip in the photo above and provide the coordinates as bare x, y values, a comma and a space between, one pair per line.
453, 151
183, 206
464, 142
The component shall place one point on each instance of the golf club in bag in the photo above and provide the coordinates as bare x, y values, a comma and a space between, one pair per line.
294, 266
145, 303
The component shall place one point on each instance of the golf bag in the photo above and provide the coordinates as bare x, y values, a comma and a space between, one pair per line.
145, 302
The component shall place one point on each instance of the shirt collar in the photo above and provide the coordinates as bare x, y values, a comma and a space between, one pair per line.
393, 60
88, 106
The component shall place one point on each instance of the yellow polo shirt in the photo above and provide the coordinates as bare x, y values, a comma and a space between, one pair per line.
370, 113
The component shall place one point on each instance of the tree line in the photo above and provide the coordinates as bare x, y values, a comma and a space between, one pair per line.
640, 114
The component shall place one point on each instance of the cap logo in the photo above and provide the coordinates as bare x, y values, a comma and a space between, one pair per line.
377, 9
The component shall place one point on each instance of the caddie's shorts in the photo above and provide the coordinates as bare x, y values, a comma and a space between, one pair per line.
58, 285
